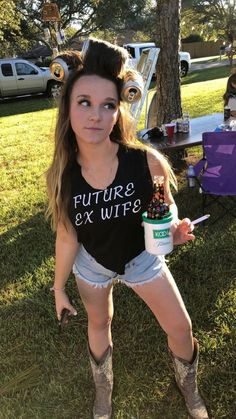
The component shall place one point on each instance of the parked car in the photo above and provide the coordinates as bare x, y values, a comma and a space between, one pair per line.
21, 77
135, 51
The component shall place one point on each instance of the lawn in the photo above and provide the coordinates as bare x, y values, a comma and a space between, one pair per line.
45, 374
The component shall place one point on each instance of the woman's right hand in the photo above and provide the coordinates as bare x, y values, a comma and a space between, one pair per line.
62, 301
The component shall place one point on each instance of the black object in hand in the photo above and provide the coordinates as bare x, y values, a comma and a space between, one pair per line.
64, 317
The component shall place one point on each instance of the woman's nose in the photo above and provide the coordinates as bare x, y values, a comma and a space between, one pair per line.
95, 113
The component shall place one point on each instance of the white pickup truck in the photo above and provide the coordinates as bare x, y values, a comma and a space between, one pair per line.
135, 51
21, 77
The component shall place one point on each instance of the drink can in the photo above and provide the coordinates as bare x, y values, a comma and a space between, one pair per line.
46, 32
227, 112
132, 91
179, 125
185, 126
158, 234
55, 52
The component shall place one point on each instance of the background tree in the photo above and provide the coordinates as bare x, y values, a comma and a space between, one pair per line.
9, 24
193, 26
87, 16
220, 14
168, 68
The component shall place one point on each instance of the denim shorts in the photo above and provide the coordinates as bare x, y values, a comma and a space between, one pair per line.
140, 270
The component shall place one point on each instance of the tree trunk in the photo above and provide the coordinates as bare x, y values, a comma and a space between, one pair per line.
168, 66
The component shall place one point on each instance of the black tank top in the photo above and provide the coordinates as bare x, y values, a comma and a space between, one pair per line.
108, 222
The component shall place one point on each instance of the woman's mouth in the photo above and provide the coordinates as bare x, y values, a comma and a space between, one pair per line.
93, 128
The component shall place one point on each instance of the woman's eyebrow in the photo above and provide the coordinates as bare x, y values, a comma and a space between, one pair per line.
87, 96
113, 99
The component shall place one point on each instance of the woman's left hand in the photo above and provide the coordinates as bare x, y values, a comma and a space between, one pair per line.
182, 232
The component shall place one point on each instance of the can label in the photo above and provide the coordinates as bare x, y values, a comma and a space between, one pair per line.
161, 234
179, 125
227, 113
185, 126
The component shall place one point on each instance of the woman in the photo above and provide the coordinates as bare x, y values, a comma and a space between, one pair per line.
230, 94
99, 183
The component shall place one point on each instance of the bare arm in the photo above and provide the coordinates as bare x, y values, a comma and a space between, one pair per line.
183, 228
66, 249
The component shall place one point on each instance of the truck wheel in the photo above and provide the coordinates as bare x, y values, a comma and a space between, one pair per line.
183, 69
54, 89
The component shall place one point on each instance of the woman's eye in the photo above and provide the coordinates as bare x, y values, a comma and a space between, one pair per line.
110, 106
84, 102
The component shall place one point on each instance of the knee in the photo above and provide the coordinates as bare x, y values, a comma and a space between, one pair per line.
100, 323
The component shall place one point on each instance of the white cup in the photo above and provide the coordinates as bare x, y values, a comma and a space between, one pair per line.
158, 234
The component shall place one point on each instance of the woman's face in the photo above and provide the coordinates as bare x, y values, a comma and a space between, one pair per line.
94, 109
233, 85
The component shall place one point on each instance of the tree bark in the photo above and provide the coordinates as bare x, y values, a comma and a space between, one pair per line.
168, 66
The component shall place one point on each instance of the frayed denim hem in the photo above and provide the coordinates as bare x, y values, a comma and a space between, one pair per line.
104, 284
161, 274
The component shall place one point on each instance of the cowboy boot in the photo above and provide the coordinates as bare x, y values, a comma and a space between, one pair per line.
103, 380
186, 379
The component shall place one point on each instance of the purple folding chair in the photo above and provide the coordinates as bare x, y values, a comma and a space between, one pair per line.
216, 171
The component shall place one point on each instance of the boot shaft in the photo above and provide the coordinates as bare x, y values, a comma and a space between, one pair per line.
103, 380
186, 379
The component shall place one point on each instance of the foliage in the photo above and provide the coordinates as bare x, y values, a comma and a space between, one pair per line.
220, 14
193, 37
8, 20
10, 31
87, 16
192, 23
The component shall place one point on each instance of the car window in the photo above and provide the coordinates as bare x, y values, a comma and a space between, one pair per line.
6, 70
142, 48
131, 51
23, 69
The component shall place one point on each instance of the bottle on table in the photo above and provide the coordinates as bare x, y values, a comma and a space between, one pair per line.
186, 122
227, 112
191, 176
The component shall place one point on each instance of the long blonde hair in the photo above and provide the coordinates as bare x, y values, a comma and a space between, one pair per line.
66, 150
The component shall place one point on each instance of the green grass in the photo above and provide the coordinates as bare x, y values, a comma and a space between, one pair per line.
207, 74
45, 375
204, 97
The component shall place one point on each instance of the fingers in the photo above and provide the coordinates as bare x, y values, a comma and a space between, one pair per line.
186, 223
69, 310
72, 311
183, 232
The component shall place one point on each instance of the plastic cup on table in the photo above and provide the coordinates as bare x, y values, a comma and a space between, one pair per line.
170, 129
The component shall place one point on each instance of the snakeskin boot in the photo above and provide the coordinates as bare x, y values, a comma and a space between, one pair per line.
103, 380
186, 379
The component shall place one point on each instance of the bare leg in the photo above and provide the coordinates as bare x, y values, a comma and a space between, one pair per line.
98, 303
163, 298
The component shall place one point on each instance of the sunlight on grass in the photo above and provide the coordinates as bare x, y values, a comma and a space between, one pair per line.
203, 98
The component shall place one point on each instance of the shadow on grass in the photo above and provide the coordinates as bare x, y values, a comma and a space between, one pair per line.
20, 105
207, 74
23, 248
